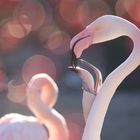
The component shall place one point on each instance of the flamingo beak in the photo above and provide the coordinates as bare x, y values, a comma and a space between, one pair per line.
73, 69
74, 59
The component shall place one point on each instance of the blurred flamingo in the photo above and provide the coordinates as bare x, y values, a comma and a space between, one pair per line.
105, 28
48, 124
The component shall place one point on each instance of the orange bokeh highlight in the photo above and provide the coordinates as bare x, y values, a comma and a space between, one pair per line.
16, 92
58, 42
45, 32
131, 8
75, 131
3, 78
120, 8
76, 125
67, 9
81, 13
7, 7
38, 64
33, 11
98, 8
8, 42
19, 28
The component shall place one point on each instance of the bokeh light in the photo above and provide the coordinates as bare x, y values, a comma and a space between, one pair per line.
67, 10
54, 39
16, 92
75, 130
98, 8
119, 8
8, 42
19, 28
83, 14
74, 13
92, 9
3, 78
38, 64
131, 8
75, 125
33, 11
78, 14
58, 42
30, 28
7, 7
45, 32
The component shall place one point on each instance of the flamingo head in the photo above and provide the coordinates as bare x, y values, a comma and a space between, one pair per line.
77, 43
45, 86
103, 29
86, 78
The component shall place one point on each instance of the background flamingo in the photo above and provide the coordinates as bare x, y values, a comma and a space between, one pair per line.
42, 94
106, 28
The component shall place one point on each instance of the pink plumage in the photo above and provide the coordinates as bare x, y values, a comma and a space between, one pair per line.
46, 121
19, 127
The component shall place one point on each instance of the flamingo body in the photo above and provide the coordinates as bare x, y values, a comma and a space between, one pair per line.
19, 127
48, 124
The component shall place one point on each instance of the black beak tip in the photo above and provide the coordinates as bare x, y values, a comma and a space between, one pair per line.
74, 60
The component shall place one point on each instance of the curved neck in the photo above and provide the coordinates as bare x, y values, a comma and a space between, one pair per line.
54, 121
99, 107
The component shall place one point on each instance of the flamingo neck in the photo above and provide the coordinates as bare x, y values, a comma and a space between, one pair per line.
53, 121
99, 107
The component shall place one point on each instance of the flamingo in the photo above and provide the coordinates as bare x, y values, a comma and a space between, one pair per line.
89, 87
105, 28
42, 93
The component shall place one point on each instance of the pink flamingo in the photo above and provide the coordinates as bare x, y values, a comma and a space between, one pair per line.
89, 86
48, 124
105, 28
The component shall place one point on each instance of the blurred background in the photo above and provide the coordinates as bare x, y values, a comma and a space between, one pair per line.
35, 37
